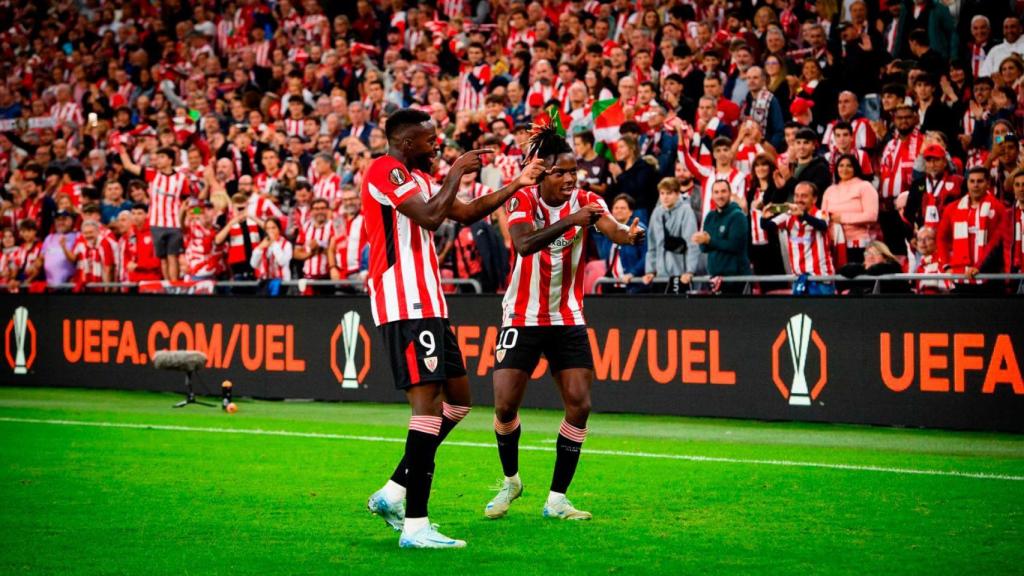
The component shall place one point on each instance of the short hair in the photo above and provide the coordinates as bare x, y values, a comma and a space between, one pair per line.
631, 202
165, 151
671, 184
721, 141
91, 208
140, 206
986, 81
919, 36
402, 120
587, 136
239, 198
843, 126
319, 201
28, 224
495, 99
979, 170
809, 184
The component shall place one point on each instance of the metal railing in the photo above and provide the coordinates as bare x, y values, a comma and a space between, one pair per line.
301, 284
748, 280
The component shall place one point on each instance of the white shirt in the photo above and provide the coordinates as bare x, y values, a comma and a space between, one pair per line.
999, 53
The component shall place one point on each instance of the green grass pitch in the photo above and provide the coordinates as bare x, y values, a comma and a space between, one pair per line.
669, 495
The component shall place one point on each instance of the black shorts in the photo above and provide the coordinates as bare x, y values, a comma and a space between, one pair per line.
520, 347
167, 241
422, 351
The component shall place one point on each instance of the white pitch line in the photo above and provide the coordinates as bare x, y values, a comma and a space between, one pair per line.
623, 453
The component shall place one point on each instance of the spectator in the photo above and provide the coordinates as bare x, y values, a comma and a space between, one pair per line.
633, 175
808, 240
896, 173
722, 169
1015, 230
312, 243
929, 194
26, 260
724, 238
852, 207
970, 235
272, 257
877, 261
804, 165
924, 260
139, 258
113, 202
58, 260
670, 249
167, 189
204, 260
594, 171
763, 107
94, 261
624, 262
842, 144
765, 252
241, 233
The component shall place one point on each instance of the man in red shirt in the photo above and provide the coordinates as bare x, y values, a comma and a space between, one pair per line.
140, 259
401, 209
970, 235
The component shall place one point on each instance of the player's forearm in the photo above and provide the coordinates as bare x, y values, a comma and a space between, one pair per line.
532, 242
467, 213
439, 207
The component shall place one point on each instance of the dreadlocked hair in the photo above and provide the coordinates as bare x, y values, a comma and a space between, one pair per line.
545, 141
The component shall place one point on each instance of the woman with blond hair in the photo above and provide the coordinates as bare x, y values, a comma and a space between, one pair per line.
878, 261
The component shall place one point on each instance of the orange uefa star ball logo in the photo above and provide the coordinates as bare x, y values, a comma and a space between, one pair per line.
20, 349
799, 333
351, 333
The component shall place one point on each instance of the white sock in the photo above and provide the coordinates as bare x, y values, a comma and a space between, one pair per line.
394, 491
554, 498
514, 478
414, 525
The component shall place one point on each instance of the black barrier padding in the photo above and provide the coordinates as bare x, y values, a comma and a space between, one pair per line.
657, 355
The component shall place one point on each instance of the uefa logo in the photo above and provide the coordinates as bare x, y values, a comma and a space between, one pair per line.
799, 334
24, 341
352, 370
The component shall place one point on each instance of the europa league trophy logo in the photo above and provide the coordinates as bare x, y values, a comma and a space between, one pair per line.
20, 323
798, 334
350, 336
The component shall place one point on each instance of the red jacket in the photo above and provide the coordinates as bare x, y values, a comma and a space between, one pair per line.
140, 251
966, 236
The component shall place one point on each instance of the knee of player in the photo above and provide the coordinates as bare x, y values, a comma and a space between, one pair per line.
505, 412
579, 407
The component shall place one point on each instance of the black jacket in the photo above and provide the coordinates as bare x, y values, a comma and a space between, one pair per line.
816, 171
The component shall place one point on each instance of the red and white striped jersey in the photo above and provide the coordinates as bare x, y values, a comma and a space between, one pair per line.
166, 191
808, 247
25, 256
863, 159
546, 287
311, 236
863, 134
264, 182
526, 35
273, 263
203, 256
1016, 256
538, 95
351, 248
91, 259
294, 126
758, 235
451, 8
473, 81
328, 188
897, 166
66, 112
404, 280
707, 176
261, 208
263, 50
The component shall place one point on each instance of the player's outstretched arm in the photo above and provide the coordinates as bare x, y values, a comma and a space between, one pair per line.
430, 214
620, 233
527, 239
469, 212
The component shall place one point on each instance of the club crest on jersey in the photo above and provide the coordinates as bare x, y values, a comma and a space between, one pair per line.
430, 362
500, 354
396, 176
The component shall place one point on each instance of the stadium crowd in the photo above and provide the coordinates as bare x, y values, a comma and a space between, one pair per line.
194, 140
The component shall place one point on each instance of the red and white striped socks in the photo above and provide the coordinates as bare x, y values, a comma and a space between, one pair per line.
426, 424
